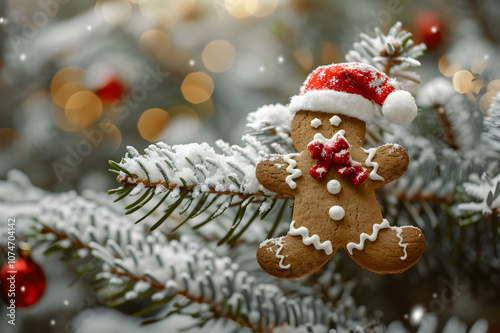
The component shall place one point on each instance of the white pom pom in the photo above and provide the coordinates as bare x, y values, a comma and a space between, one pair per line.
400, 108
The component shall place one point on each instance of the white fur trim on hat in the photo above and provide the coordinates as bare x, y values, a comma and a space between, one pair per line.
330, 101
399, 107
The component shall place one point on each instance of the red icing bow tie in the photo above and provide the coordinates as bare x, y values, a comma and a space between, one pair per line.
336, 154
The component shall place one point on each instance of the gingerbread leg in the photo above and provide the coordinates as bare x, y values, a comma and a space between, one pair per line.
288, 257
393, 250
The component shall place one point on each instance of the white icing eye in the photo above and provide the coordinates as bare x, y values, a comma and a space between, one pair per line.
337, 213
335, 120
333, 186
315, 123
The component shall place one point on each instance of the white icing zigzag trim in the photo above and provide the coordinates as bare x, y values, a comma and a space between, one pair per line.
281, 244
364, 236
294, 173
369, 163
320, 137
314, 239
280, 256
400, 230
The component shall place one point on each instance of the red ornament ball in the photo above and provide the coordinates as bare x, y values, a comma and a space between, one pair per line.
429, 29
111, 91
22, 282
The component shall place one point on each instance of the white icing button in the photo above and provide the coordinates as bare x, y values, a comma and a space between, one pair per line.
315, 123
333, 186
335, 120
337, 213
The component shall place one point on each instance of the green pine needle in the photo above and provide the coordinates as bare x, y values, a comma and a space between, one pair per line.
138, 201
119, 167
278, 219
168, 212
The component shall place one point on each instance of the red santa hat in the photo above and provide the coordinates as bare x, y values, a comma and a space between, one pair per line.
353, 89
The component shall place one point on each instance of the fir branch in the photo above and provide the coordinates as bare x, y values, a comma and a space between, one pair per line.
129, 182
449, 133
434, 171
213, 307
485, 189
393, 53
181, 268
192, 171
455, 114
453, 247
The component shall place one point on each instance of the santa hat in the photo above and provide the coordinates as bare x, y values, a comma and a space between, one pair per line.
352, 89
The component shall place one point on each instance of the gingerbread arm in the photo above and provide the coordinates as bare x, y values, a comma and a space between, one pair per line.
272, 174
392, 161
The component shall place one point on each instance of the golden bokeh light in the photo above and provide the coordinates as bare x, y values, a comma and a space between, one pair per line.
185, 8
476, 86
494, 85
63, 94
484, 105
463, 81
83, 108
65, 83
218, 56
151, 9
65, 75
115, 12
8, 136
166, 13
178, 110
112, 134
330, 53
241, 8
446, 68
443, 64
155, 42
152, 124
265, 8
197, 87
63, 123
486, 100
304, 57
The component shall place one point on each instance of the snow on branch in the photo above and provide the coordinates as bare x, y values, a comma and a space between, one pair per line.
460, 120
191, 172
434, 170
393, 53
200, 169
181, 276
485, 189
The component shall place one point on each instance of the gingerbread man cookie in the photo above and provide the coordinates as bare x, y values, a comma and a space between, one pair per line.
333, 178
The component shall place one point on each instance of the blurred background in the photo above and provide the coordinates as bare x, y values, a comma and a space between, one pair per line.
80, 80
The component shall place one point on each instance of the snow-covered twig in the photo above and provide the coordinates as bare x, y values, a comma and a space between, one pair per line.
193, 172
178, 271
393, 53
485, 189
